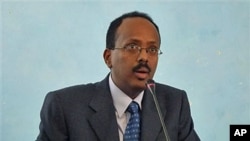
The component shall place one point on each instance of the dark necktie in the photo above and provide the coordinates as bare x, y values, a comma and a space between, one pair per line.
132, 132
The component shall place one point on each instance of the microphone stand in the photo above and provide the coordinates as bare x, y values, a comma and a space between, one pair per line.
151, 86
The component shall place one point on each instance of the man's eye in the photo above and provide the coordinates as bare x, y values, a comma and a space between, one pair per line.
132, 46
153, 49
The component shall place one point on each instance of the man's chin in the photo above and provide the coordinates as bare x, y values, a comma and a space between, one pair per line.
141, 83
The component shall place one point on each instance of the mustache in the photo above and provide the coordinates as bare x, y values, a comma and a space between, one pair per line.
141, 65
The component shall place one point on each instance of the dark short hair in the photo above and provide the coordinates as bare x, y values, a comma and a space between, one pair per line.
111, 33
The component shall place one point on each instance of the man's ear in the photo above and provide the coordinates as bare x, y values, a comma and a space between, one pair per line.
107, 57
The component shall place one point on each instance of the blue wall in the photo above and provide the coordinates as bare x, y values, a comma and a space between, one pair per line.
50, 45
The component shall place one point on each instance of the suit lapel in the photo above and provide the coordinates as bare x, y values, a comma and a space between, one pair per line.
151, 126
104, 121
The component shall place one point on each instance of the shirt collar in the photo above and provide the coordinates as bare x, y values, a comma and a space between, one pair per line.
120, 99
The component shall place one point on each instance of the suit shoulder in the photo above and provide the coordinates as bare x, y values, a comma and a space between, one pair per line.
172, 95
77, 91
168, 88
76, 88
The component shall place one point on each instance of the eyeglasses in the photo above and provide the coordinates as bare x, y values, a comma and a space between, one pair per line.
134, 49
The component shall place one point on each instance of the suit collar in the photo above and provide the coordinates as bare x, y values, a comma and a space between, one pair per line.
151, 125
103, 120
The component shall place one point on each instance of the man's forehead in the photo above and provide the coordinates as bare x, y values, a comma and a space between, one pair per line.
135, 27
130, 21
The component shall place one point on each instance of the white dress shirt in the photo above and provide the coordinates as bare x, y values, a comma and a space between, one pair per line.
121, 102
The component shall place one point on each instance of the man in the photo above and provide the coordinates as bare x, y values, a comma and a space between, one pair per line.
99, 111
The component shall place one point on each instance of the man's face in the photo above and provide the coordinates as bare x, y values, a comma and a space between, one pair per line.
129, 71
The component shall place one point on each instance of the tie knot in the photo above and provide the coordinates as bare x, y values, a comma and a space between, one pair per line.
133, 107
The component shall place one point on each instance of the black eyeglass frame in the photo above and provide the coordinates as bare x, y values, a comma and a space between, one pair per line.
156, 51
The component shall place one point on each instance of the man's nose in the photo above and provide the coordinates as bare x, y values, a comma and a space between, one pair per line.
143, 55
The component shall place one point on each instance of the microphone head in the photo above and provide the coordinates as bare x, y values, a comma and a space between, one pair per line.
150, 81
151, 85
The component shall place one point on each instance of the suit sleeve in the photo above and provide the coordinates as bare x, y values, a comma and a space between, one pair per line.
186, 126
52, 125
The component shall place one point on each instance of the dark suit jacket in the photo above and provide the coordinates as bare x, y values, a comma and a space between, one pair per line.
87, 113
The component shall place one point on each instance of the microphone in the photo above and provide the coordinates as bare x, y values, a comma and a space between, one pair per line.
151, 87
